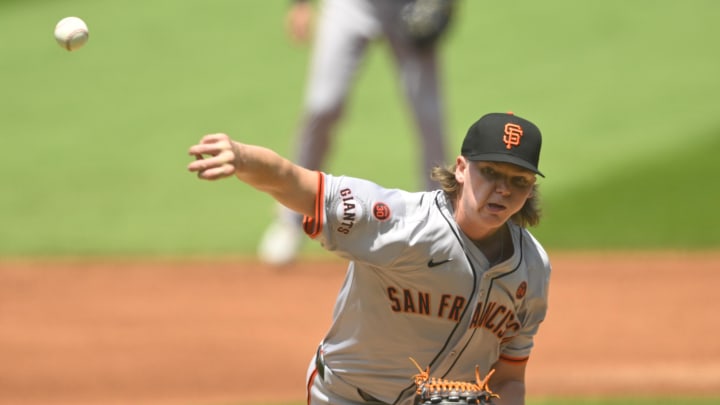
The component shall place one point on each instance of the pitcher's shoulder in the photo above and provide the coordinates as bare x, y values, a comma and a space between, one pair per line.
534, 252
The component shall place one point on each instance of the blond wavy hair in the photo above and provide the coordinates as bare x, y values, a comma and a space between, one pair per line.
529, 214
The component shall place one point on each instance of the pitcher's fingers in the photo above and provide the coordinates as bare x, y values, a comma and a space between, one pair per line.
200, 165
219, 159
210, 138
222, 141
216, 173
223, 158
205, 149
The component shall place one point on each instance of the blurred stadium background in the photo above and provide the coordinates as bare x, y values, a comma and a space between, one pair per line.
95, 140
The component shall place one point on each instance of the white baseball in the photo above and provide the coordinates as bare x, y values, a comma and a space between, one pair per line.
71, 33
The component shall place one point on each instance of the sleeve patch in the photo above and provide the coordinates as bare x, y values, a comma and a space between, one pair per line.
381, 211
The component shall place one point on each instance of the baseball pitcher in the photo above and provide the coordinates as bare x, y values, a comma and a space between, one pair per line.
445, 289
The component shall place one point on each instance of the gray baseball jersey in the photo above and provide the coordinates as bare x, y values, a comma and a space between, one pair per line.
417, 287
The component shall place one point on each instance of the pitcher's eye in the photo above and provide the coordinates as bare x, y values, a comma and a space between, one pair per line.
488, 172
521, 181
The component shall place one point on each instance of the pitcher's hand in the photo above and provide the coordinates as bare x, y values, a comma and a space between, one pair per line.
217, 157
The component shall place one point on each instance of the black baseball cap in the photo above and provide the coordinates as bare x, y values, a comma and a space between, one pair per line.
504, 137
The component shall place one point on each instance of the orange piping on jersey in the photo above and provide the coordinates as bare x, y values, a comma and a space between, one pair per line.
516, 360
310, 384
313, 226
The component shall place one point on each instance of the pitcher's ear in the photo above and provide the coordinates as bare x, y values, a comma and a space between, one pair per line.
460, 166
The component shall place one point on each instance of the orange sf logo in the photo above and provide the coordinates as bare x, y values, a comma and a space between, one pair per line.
513, 133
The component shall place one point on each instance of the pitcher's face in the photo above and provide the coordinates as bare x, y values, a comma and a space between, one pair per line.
492, 192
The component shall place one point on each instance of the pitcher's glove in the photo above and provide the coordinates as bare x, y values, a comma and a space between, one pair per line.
434, 391
425, 21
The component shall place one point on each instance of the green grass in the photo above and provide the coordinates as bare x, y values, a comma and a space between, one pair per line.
671, 200
95, 141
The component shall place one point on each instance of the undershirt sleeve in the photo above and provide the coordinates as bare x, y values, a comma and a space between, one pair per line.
313, 225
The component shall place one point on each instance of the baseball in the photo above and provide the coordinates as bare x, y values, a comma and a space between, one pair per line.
71, 33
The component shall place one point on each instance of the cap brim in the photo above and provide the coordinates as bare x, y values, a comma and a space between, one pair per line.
503, 158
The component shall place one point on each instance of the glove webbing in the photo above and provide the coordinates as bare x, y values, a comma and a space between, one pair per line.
436, 387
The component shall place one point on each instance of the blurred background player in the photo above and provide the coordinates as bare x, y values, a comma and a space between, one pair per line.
342, 33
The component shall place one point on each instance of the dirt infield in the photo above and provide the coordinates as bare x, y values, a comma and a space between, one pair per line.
162, 333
